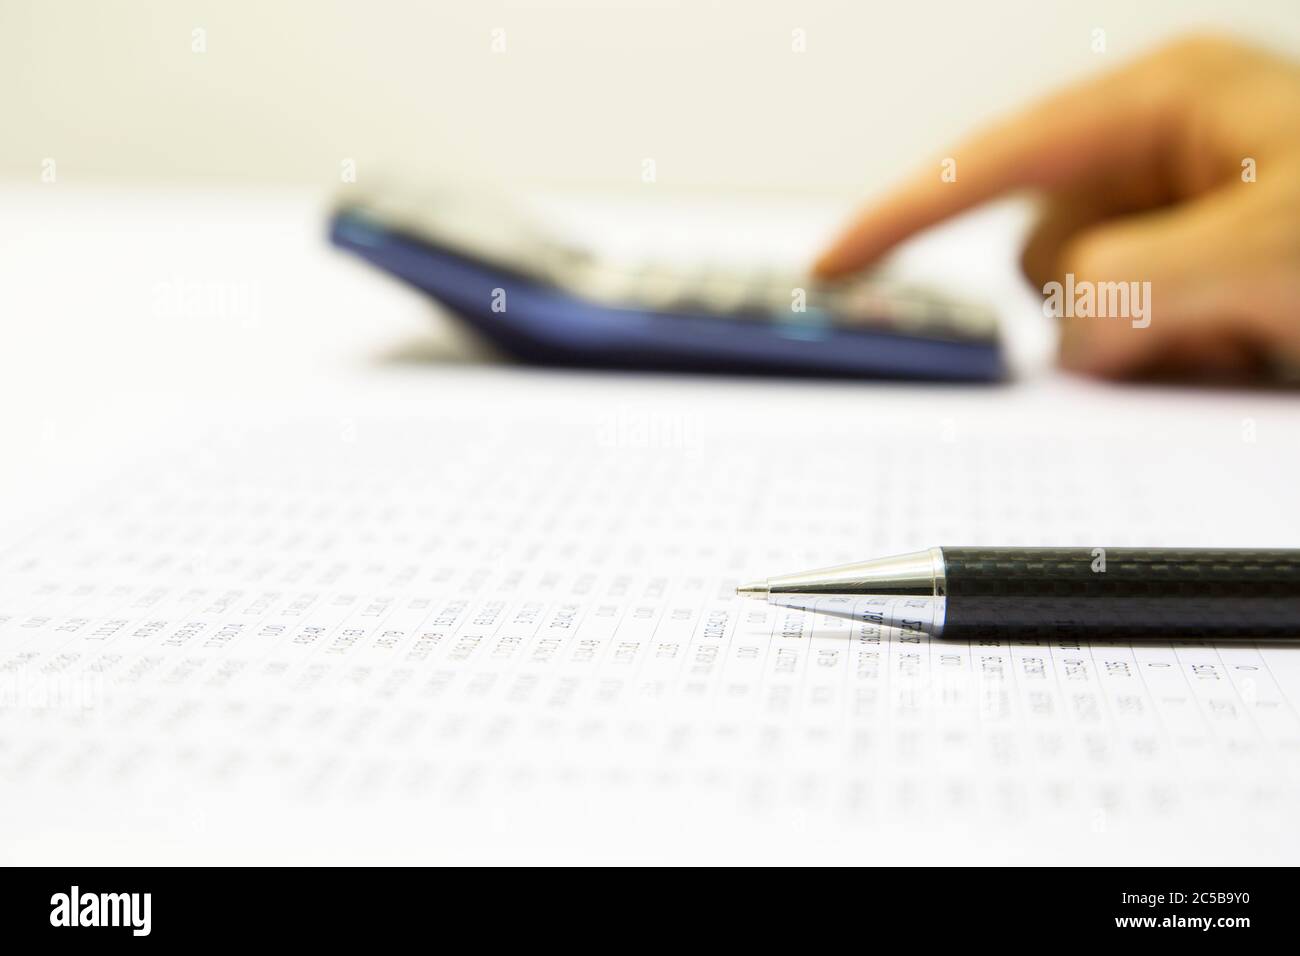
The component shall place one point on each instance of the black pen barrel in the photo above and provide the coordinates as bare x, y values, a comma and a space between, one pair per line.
1121, 593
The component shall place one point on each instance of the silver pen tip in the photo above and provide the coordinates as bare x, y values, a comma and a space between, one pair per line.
757, 590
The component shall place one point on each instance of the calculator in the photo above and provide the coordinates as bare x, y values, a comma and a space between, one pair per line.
543, 299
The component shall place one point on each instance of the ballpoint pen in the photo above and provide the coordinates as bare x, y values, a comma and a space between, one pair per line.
1067, 593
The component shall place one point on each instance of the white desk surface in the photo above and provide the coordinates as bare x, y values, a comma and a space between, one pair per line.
135, 322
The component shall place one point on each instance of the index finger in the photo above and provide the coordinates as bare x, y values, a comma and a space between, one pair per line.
1116, 121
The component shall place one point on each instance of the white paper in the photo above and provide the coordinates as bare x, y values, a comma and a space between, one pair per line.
491, 619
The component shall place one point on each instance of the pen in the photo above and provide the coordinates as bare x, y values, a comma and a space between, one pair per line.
1068, 593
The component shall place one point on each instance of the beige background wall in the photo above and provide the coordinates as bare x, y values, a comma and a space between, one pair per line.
581, 95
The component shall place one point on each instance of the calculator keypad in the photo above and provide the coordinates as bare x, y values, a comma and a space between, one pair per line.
766, 295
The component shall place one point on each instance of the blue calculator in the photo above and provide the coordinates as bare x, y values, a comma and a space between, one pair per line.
544, 300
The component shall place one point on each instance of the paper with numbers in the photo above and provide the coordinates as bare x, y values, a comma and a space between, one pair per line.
493, 619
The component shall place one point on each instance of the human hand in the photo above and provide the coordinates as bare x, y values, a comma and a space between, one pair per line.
1181, 169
